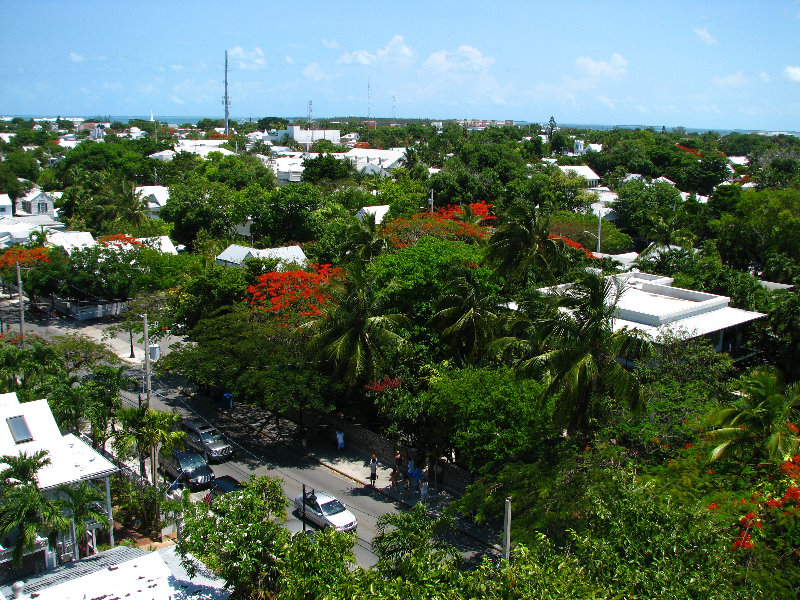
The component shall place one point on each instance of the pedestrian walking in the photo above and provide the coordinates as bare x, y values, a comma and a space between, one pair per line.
393, 480
410, 466
339, 440
423, 491
373, 469
398, 460
406, 487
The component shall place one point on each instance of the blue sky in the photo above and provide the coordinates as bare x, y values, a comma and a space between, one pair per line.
723, 65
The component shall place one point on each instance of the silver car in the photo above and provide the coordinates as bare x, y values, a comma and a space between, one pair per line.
206, 440
325, 511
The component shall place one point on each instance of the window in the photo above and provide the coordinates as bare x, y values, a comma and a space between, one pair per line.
42, 207
19, 429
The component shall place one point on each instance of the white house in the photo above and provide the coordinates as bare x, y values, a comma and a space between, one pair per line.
649, 303
6, 207
373, 159
36, 202
379, 212
304, 136
156, 197
163, 155
592, 178
30, 427
235, 255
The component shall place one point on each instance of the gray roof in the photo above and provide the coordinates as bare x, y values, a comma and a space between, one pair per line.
80, 568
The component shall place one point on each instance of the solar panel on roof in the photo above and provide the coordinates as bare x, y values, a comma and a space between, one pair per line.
19, 429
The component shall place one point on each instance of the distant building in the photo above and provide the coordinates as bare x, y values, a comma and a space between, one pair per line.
304, 136
36, 202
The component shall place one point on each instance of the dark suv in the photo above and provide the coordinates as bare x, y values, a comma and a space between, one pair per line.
185, 467
206, 440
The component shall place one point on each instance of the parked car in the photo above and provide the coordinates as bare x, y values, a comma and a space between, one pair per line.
324, 510
186, 467
206, 440
223, 485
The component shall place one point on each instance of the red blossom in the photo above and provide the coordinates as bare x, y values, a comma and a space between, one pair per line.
23, 256
120, 240
687, 446
713, 506
384, 384
792, 427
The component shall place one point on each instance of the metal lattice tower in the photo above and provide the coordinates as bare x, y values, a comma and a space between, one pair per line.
226, 101
310, 114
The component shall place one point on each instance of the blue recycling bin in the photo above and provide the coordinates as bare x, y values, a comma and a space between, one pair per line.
227, 400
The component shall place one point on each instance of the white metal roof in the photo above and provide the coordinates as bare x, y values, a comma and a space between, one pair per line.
71, 240
156, 195
694, 326
581, 170
236, 254
71, 460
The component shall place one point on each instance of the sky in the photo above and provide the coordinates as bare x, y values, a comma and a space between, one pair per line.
699, 64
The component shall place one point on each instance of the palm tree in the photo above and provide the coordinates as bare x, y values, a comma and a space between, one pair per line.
579, 351
367, 242
354, 335
467, 314
24, 510
408, 544
523, 243
760, 421
22, 468
103, 400
142, 431
129, 205
662, 233
82, 503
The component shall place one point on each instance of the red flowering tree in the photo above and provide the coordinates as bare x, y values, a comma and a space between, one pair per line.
120, 240
467, 224
25, 257
293, 296
572, 244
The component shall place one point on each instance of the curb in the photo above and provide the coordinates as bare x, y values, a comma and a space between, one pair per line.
327, 465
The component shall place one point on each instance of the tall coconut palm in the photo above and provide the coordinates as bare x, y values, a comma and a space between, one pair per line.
141, 432
522, 244
354, 335
663, 234
760, 421
578, 351
467, 314
159, 430
82, 503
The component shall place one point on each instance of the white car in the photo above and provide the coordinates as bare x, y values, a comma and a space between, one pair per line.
325, 511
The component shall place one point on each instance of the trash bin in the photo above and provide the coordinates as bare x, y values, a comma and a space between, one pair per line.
227, 400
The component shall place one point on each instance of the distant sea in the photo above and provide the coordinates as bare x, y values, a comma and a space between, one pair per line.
180, 119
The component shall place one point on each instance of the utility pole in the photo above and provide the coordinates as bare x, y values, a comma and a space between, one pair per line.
507, 530
21, 308
304, 508
226, 101
599, 227
430, 201
146, 362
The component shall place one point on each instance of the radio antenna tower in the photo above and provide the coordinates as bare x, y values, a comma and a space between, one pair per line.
310, 115
226, 101
394, 117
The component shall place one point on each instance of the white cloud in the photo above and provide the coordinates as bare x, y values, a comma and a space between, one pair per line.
332, 44
465, 59
734, 80
765, 77
176, 100
75, 57
614, 68
289, 60
704, 36
396, 51
607, 101
358, 57
248, 60
315, 72
642, 109
197, 68
792, 73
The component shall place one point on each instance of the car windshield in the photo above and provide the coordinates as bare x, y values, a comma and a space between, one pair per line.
334, 507
190, 462
211, 436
